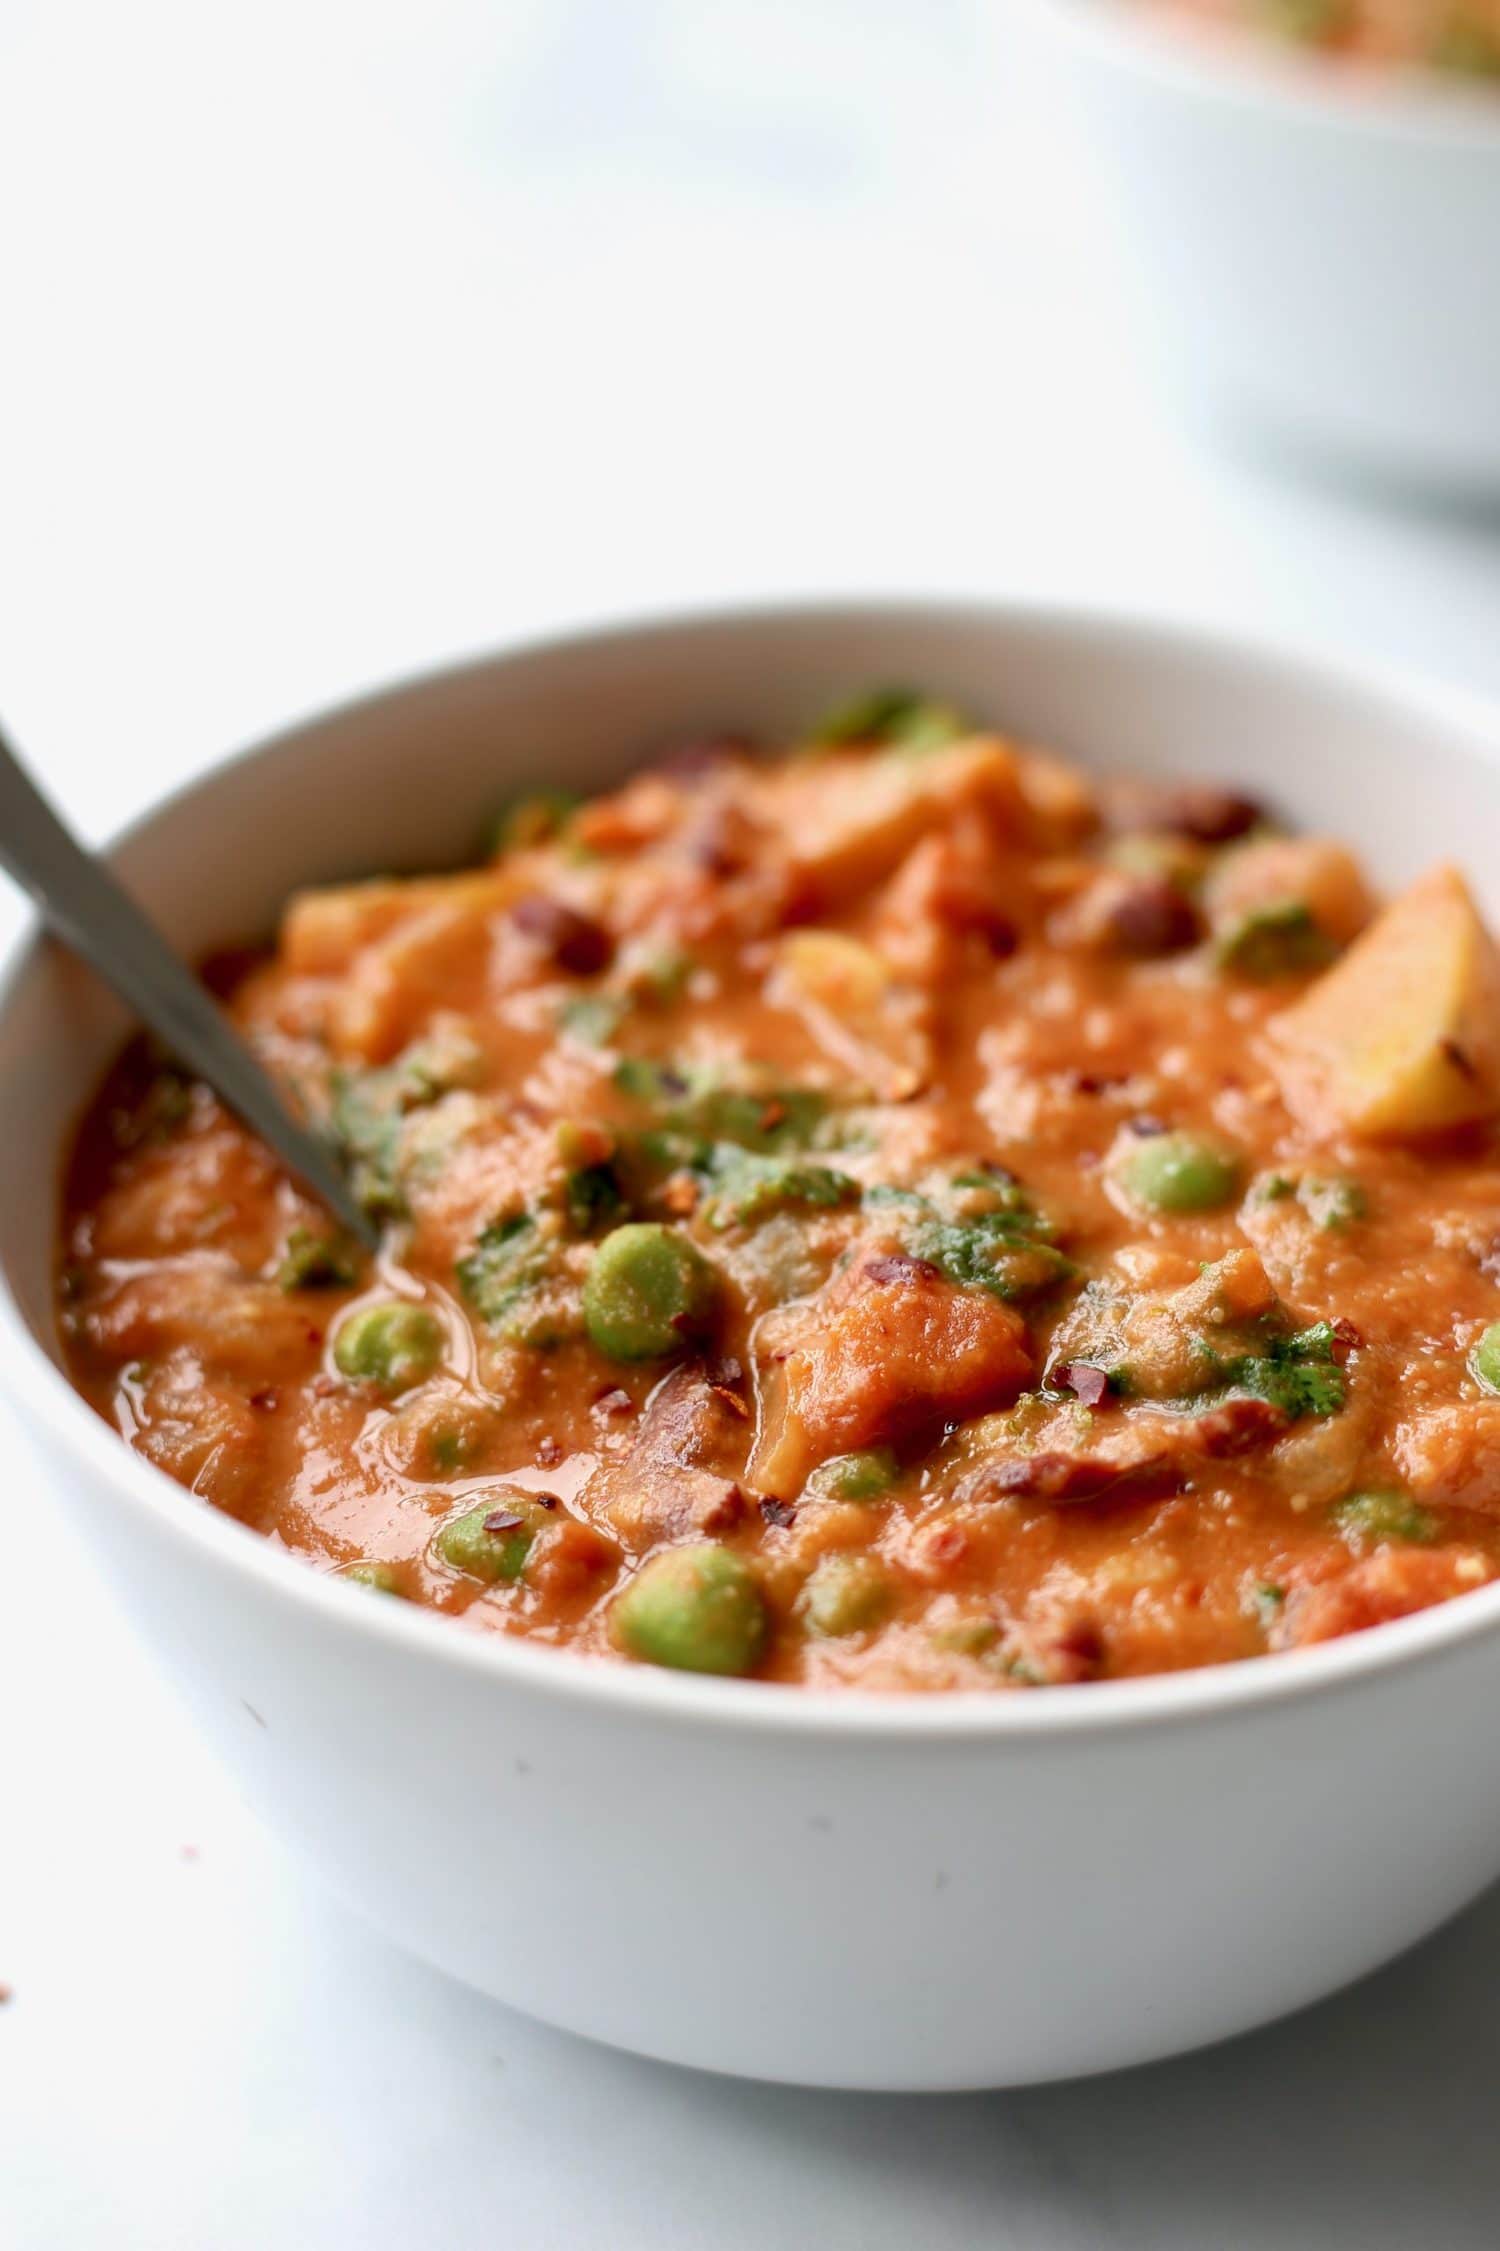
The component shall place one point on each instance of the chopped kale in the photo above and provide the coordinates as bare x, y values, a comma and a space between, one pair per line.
1366, 1518
1297, 1373
507, 1264
311, 1261
992, 1253
1270, 1601
366, 1110
592, 1018
365, 1118
983, 1232
592, 1198
436, 1064
646, 1080
1333, 1205
746, 1188
703, 1110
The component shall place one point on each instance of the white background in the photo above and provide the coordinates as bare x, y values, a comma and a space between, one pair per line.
339, 339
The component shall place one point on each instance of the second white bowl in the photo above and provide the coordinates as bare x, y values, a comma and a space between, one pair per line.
1314, 248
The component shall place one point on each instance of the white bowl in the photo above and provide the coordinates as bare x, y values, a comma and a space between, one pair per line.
1315, 247
858, 1891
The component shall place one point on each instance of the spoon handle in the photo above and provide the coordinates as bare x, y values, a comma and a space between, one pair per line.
84, 905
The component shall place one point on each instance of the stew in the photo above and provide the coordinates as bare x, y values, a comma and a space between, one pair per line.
895, 1212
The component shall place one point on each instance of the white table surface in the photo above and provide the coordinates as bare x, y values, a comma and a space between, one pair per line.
338, 341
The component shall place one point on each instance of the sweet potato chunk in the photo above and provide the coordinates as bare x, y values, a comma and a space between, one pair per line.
1391, 1584
1449, 1456
888, 1350
322, 931
850, 821
856, 1010
1401, 1037
398, 981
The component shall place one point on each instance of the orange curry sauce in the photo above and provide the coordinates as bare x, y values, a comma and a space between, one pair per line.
1457, 36
1014, 1293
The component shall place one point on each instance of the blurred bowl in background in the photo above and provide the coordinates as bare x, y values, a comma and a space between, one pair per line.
1313, 246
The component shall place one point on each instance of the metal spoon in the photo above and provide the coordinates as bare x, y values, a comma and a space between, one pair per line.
82, 903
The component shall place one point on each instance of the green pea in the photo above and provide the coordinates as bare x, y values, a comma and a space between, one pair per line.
1172, 1172
966, 1637
854, 1477
892, 715
380, 1578
1274, 941
393, 1345
454, 1446
648, 1293
843, 1595
531, 820
1390, 1515
1484, 1360
493, 1541
697, 1609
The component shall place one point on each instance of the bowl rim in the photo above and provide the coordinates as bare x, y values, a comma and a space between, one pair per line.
1251, 74
44, 1398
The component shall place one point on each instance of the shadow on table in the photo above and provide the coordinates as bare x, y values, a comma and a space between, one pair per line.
1368, 2120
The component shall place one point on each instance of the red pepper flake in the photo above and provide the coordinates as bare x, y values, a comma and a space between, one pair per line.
773, 1115
938, 1549
800, 905
546, 1500
899, 1267
266, 1401
716, 845
549, 1453
1088, 1384
777, 1512
1000, 935
1095, 1082
503, 1520
574, 941
1346, 1339
314, 1336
